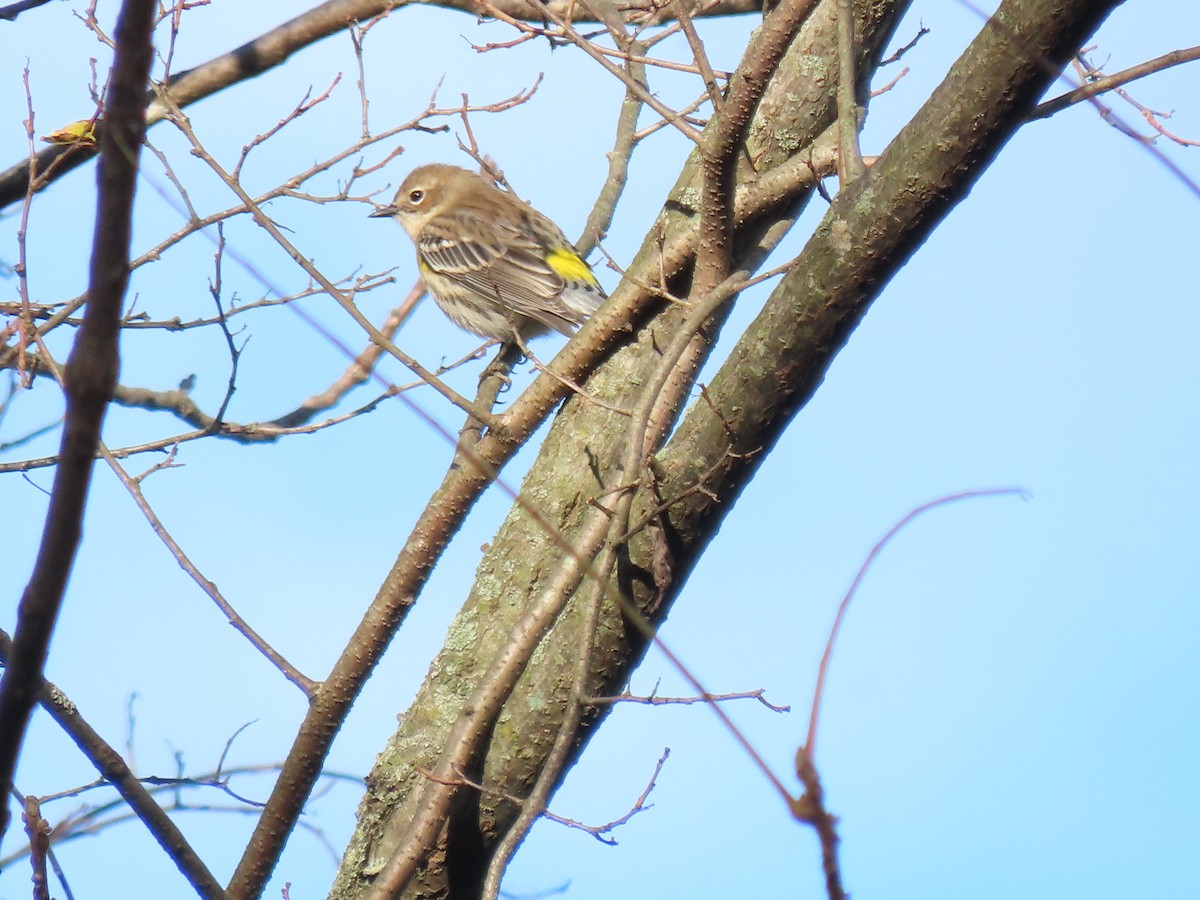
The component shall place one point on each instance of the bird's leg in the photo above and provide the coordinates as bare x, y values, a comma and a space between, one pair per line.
493, 381
501, 367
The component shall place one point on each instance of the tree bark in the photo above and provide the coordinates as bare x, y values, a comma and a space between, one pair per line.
872, 227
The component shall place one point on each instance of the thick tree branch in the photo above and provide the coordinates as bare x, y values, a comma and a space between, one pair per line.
869, 232
9, 12
91, 374
514, 574
277, 46
874, 225
251, 59
723, 139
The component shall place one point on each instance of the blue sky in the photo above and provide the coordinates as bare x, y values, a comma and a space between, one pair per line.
1011, 708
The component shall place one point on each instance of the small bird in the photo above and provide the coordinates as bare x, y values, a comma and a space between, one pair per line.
495, 265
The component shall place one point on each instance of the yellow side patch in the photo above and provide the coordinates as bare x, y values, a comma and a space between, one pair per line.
570, 267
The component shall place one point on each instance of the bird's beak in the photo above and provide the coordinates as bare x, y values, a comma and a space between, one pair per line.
384, 212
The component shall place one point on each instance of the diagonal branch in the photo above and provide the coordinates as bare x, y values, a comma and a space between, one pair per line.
10, 12
1117, 79
116, 772
872, 228
515, 577
277, 45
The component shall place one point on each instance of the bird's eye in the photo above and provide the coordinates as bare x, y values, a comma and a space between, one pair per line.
416, 196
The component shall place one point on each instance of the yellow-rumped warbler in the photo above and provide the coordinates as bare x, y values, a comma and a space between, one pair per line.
496, 266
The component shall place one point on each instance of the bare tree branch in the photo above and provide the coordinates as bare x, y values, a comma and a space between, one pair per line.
403, 808
873, 226
114, 771
10, 12
625, 495
1109, 82
276, 46
850, 161
91, 374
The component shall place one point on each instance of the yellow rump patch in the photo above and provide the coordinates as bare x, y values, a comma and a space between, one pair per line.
570, 267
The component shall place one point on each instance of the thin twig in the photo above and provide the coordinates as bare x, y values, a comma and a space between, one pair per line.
699, 54
115, 773
92, 372
895, 57
850, 162
263, 221
133, 486
810, 740
1108, 82
657, 700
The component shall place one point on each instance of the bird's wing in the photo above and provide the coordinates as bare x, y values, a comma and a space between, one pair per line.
508, 269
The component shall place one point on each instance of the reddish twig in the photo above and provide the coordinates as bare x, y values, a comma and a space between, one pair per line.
823, 669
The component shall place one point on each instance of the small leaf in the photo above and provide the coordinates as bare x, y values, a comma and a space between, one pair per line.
81, 132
